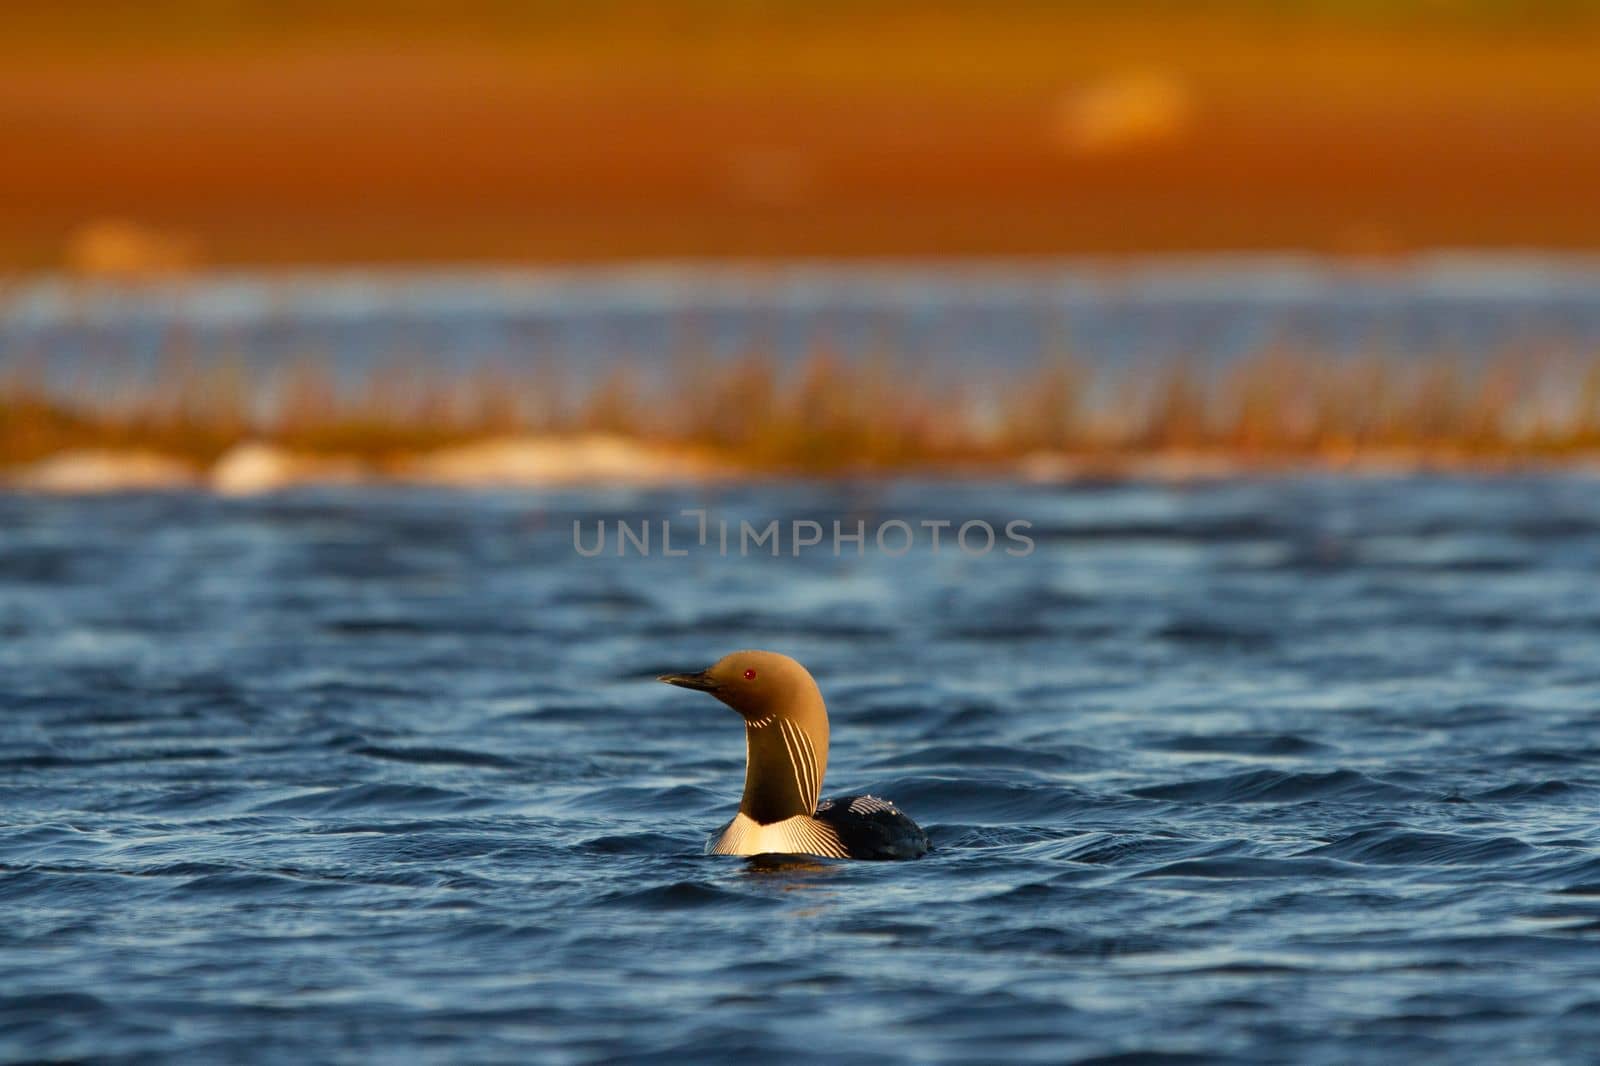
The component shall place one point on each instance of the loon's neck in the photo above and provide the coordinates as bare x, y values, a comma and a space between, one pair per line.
786, 756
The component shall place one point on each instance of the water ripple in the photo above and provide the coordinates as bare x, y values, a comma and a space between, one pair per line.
1270, 772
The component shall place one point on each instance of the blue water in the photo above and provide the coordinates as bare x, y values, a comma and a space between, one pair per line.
1207, 308
1259, 772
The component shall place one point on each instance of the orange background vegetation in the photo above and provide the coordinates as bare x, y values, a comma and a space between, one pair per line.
279, 134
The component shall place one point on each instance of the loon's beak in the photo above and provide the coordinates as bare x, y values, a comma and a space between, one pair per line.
700, 682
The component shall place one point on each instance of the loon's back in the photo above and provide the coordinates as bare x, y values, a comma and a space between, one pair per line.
873, 828
846, 827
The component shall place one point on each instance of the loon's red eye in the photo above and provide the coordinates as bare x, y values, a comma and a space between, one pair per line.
749, 675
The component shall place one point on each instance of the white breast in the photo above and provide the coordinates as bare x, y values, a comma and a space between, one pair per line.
800, 835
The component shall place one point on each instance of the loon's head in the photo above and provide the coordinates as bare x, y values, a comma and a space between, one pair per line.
757, 684
786, 727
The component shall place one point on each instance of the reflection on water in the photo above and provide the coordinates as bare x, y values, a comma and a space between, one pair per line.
1264, 771
791, 872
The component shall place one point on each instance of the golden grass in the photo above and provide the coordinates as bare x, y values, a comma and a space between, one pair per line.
829, 414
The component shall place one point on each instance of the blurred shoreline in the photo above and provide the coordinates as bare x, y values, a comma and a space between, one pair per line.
1161, 367
254, 469
751, 418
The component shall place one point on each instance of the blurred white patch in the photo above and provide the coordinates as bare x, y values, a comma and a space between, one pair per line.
518, 461
121, 250
81, 472
1124, 112
252, 468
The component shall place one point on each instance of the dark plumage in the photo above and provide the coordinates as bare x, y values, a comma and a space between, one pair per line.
878, 832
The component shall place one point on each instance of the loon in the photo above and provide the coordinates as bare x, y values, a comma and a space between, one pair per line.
786, 754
